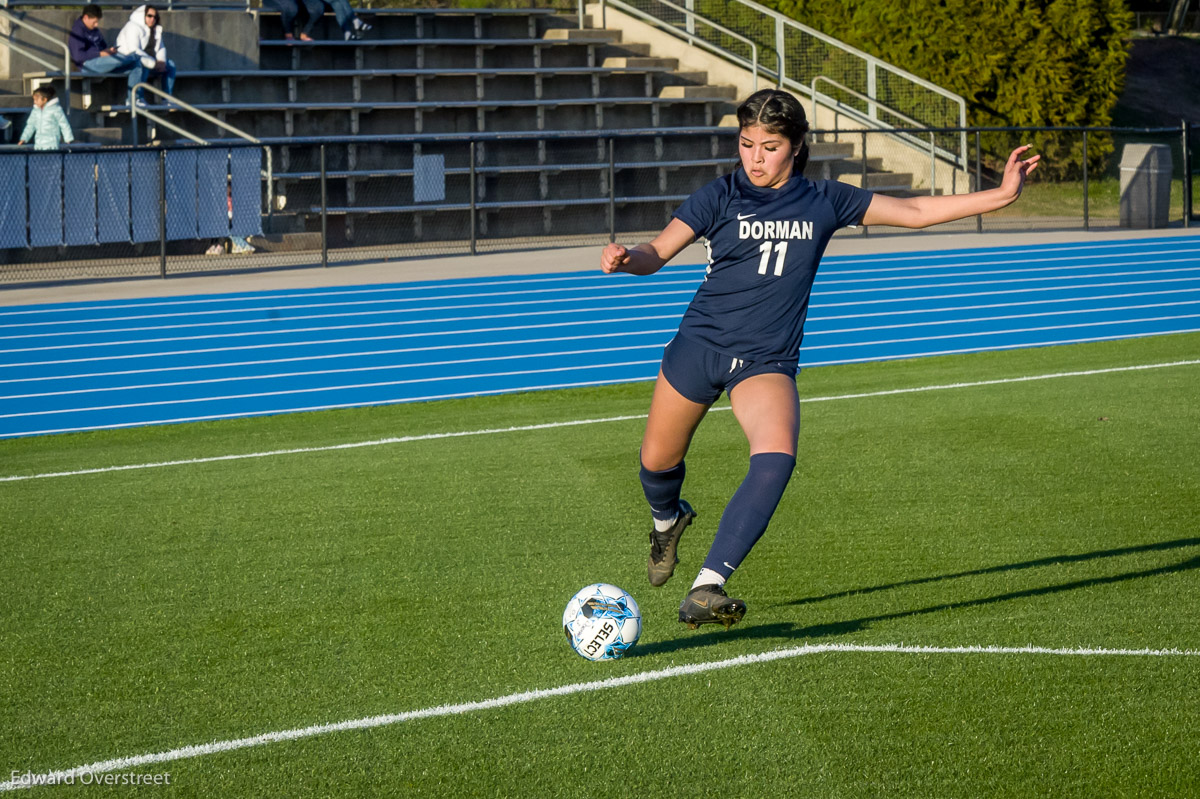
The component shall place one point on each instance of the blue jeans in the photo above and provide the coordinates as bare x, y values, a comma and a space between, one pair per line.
104, 64
289, 9
341, 10
168, 77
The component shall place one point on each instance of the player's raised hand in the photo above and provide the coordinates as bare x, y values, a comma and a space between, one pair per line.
613, 258
1016, 170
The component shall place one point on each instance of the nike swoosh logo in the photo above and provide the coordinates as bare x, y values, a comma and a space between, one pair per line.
745, 216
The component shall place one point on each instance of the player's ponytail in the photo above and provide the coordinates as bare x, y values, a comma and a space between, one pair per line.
777, 111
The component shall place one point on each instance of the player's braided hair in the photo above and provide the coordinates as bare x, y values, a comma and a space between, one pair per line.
777, 111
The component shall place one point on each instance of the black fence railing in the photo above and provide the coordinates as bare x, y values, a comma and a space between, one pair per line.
103, 213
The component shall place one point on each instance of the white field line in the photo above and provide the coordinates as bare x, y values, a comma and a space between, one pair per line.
612, 292
463, 708
605, 301
831, 262
520, 372
815, 318
579, 422
652, 343
605, 381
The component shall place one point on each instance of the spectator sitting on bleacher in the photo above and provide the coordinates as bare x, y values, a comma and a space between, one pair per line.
47, 126
143, 36
352, 26
290, 9
91, 53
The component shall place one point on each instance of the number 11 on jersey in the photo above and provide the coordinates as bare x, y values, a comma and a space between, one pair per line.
780, 254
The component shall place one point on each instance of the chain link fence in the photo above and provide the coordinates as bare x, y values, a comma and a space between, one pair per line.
157, 212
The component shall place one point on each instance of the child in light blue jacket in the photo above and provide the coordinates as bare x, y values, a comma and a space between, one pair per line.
47, 127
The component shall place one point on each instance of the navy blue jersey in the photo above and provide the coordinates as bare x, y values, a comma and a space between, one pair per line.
763, 249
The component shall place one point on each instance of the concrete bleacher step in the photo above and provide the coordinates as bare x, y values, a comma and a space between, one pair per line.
639, 62
879, 181
830, 150
583, 35
103, 136
708, 91
624, 50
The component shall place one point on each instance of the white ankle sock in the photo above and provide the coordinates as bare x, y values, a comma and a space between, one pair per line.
708, 577
662, 526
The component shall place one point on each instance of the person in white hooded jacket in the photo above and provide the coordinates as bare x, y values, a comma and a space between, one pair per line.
143, 36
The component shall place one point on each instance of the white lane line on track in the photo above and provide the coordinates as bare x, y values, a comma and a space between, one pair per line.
359, 326
654, 344
638, 678
810, 347
606, 381
818, 295
829, 264
605, 300
577, 422
814, 330
815, 318
668, 331
609, 293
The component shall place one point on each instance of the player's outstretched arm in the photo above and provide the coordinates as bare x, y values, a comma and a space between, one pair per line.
646, 259
919, 212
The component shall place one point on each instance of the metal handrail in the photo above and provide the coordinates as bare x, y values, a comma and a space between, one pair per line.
20, 23
872, 65
134, 110
692, 16
837, 106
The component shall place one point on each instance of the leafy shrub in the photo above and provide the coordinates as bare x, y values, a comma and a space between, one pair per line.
1018, 63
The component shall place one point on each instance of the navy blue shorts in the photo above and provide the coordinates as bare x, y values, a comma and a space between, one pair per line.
701, 374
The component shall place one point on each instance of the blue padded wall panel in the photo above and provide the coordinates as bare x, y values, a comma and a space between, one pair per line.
212, 193
144, 193
181, 194
112, 197
13, 216
79, 198
45, 200
245, 168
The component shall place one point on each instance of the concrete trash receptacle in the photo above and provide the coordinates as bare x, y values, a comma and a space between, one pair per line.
1145, 185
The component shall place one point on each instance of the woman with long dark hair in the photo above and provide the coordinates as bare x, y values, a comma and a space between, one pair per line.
766, 227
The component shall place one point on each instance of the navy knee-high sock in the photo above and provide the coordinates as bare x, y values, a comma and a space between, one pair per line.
747, 514
662, 490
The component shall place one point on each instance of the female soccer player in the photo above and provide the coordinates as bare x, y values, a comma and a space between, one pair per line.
766, 227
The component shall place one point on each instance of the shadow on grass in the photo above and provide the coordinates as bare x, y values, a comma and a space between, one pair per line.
1054, 560
788, 630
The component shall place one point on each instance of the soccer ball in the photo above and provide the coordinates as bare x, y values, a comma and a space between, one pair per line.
602, 622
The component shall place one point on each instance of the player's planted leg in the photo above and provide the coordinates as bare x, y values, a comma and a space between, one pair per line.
709, 604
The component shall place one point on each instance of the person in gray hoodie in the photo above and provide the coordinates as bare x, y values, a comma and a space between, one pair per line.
47, 126
143, 36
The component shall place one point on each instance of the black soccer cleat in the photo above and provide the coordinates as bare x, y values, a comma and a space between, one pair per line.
709, 604
663, 545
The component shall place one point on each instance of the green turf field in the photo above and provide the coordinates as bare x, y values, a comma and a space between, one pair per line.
191, 604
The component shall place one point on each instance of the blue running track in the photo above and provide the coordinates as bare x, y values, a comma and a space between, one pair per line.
95, 365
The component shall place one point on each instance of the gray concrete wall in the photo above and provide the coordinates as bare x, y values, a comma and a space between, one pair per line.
195, 39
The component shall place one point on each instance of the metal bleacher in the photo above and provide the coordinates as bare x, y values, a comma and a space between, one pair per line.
501, 122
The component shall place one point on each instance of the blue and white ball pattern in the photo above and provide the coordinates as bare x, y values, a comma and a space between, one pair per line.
602, 622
